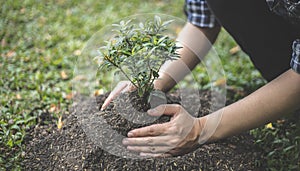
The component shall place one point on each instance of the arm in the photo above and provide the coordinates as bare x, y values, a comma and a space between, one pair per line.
268, 103
191, 37
182, 134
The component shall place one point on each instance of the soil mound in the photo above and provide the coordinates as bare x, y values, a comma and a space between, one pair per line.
77, 146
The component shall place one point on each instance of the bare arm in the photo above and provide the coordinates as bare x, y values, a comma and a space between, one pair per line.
191, 37
268, 103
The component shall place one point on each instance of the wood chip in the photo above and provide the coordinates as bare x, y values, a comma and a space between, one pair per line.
77, 52
234, 50
60, 123
63, 75
11, 54
98, 92
18, 96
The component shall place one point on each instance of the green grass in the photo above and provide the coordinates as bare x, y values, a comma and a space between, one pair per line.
40, 41
280, 144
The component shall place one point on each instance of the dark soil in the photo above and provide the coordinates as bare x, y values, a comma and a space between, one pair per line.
84, 140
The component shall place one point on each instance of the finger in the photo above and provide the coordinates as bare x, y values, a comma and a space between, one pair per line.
121, 85
152, 130
149, 149
157, 155
129, 88
166, 109
148, 141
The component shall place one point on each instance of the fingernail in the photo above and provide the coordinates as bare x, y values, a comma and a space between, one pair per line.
130, 134
125, 141
151, 111
143, 154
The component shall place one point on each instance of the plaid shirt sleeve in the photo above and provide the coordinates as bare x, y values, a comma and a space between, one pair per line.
295, 62
199, 14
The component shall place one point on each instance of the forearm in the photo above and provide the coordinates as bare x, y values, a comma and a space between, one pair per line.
268, 103
196, 43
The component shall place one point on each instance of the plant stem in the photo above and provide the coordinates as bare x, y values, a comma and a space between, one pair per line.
127, 76
149, 79
117, 66
127, 41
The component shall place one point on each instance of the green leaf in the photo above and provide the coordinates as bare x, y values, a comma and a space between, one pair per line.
117, 72
16, 127
166, 23
157, 20
10, 143
116, 25
288, 148
155, 74
140, 93
141, 25
126, 52
147, 44
128, 22
162, 39
3, 123
20, 122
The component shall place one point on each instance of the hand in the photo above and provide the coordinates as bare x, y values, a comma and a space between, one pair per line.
177, 137
122, 86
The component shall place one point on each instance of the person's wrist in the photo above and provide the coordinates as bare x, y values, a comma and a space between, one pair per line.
197, 129
158, 85
204, 135
200, 125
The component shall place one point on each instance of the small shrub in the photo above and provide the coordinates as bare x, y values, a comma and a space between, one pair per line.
138, 51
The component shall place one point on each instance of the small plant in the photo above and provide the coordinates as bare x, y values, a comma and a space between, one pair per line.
138, 52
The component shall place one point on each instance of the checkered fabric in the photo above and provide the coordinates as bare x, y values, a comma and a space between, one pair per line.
199, 14
295, 62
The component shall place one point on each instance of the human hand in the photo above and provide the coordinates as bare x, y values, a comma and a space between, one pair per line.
122, 86
177, 137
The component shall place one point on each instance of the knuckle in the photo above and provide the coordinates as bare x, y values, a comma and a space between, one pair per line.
131, 86
172, 129
151, 130
177, 107
173, 142
163, 129
152, 149
149, 141
160, 108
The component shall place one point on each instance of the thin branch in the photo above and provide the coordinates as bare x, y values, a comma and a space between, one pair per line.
127, 77
117, 66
